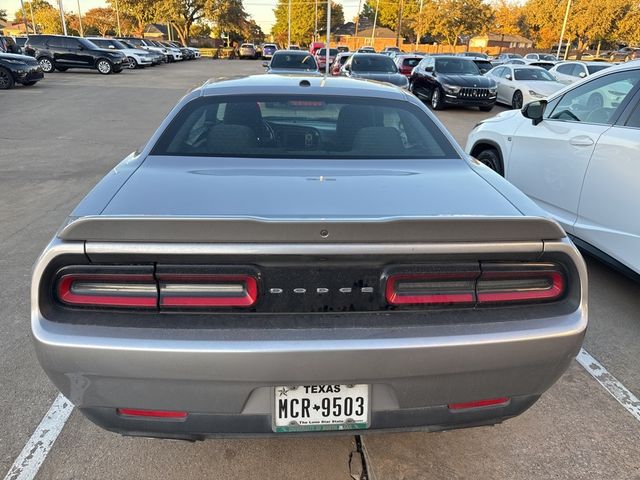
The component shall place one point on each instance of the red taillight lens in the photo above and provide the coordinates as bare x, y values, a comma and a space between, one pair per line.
431, 288
107, 290
492, 402
208, 290
493, 283
520, 284
135, 412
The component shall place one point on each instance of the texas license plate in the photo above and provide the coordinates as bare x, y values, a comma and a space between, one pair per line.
315, 408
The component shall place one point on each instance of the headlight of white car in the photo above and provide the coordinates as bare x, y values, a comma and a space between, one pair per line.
533, 93
493, 89
451, 88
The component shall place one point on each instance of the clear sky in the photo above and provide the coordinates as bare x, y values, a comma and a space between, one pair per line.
260, 10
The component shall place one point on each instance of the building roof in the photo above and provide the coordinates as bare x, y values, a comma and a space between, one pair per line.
381, 32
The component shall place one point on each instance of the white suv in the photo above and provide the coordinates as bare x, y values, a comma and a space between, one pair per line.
577, 157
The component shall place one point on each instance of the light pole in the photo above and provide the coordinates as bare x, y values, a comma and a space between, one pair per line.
118, 19
564, 27
80, 19
64, 24
375, 20
289, 29
24, 18
420, 19
327, 45
33, 20
315, 28
400, 9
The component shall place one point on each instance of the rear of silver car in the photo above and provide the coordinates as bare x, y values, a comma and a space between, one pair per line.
326, 314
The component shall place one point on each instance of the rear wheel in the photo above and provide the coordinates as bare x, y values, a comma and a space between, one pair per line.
46, 64
104, 66
491, 158
437, 100
6, 79
516, 101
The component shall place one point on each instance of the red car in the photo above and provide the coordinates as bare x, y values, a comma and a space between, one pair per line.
321, 57
339, 62
405, 63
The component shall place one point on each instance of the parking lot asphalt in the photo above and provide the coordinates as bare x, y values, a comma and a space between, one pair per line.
61, 136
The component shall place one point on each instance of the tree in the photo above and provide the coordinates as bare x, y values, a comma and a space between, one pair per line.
102, 19
303, 19
628, 28
455, 18
141, 13
389, 13
182, 14
508, 18
544, 21
228, 17
200, 30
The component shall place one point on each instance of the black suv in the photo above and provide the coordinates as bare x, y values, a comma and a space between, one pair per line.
449, 80
62, 52
18, 69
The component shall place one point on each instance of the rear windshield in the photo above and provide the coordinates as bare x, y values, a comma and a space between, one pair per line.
373, 63
303, 126
411, 62
596, 68
332, 52
532, 74
297, 61
457, 66
246, 45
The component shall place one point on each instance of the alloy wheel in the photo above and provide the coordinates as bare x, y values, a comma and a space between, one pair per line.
46, 65
5, 80
104, 67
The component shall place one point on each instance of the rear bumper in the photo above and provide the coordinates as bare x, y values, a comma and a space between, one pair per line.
225, 379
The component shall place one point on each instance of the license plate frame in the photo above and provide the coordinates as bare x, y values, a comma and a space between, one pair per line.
327, 424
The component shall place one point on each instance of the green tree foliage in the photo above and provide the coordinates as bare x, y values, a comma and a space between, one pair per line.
303, 20
103, 20
182, 14
229, 17
141, 12
455, 18
389, 12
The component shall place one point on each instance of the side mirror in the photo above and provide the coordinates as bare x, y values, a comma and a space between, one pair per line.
265, 64
534, 111
508, 76
582, 74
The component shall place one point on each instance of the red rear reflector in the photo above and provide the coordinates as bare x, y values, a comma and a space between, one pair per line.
493, 402
430, 288
108, 290
208, 290
134, 412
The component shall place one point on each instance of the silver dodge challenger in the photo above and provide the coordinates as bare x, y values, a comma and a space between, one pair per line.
290, 255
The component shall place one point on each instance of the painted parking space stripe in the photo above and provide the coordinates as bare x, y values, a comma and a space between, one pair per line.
37, 448
617, 390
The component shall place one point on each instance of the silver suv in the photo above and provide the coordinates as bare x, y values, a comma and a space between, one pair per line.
247, 50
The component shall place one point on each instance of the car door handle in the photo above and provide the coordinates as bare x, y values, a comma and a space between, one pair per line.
581, 141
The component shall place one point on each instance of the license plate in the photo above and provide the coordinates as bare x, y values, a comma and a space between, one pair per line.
317, 408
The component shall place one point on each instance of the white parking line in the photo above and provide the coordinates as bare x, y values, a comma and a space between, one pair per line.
37, 448
624, 397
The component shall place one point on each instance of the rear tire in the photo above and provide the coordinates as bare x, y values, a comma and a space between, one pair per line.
6, 79
437, 99
46, 64
105, 67
491, 158
517, 100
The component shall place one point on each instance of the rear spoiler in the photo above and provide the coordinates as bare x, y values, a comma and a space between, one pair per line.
261, 230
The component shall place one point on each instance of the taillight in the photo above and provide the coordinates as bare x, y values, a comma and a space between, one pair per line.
493, 283
166, 414
136, 290
207, 290
509, 283
430, 288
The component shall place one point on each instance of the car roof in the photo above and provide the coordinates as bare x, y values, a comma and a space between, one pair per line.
302, 84
292, 52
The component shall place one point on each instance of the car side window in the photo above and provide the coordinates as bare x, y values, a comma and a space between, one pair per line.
634, 119
498, 72
71, 43
596, 101
56, 42
565, 69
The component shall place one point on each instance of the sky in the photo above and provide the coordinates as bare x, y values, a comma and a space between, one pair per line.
260, 10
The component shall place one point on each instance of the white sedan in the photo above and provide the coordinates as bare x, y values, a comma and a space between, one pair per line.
577, 157
521, 84
570, 72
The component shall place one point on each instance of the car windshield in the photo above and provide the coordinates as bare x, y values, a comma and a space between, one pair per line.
373, 63
342, 60
87, 44
269, 47
544, 56
296, 61
136, 42
411, 62
105, 43
483, 65
532, 74
596, 68
457, 66
302, 127
332, 52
